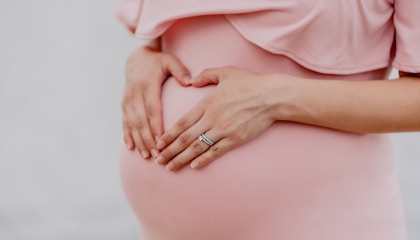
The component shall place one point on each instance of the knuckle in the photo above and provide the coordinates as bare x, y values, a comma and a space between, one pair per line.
129, 104
126, 126
152, 111
141, 85
184, 139
216, 151
236, 137
213, 115
243, 136
182, 123
223, 127
137, 124
197, 148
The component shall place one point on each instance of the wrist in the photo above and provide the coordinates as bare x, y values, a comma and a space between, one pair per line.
285, 98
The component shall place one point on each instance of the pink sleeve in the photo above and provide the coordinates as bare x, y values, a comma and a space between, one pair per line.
128, 13
407, 27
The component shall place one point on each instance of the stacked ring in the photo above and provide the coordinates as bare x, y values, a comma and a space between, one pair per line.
206, 140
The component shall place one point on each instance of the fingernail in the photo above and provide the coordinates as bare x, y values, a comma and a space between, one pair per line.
160, 159
145, 154
194, 165
187, 79
128, 146
170, 167
154, 153
160, 145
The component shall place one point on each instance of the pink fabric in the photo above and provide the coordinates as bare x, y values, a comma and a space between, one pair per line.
127, 12
335, 37
407, 25
294, 181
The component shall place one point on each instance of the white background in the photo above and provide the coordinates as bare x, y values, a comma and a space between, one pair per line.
61, 79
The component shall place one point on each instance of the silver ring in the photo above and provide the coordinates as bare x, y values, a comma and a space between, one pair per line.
206, 140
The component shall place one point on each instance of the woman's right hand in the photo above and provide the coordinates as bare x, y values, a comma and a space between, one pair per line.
146, 70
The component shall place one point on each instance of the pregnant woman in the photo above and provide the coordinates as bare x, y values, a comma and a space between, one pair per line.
267, 120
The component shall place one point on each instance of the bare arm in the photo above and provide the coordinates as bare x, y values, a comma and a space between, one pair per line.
237, 110
361, 107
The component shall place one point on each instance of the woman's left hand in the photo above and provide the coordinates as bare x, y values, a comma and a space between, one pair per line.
235, 112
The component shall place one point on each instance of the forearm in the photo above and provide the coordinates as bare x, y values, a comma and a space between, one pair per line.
354, 106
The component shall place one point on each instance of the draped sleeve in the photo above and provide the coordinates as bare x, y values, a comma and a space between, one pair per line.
407, 37
128, 13
151, 18
332, 37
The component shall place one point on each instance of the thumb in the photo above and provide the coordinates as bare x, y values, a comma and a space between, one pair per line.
178, 70
207, 77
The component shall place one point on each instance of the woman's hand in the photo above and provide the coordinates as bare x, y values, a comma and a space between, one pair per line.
146, 70
234, 113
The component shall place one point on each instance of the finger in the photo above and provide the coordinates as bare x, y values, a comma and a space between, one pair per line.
143, 127
185, 140
139, 143
214, 152
128, 139
188, 120
193, 151
181, 143
178, 70
208, 76
154, 115
136, 122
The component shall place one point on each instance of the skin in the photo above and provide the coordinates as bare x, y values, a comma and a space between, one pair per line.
147, 68
352, 106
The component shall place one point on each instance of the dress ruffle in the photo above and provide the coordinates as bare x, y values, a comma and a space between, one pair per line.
331, 37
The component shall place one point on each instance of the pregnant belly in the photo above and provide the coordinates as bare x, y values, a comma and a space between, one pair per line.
293, 181
291, 176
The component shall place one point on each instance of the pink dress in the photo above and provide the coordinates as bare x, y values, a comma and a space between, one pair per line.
294, 181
